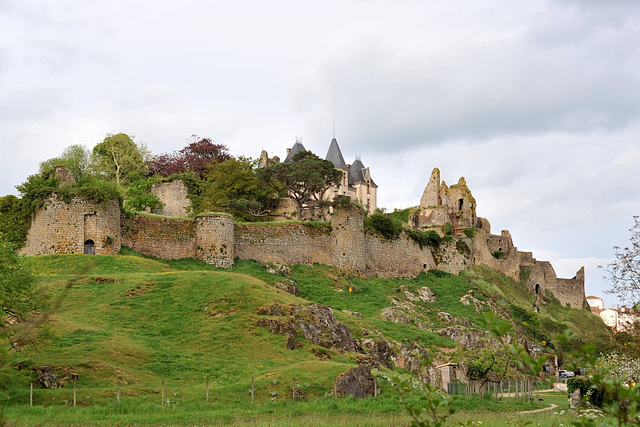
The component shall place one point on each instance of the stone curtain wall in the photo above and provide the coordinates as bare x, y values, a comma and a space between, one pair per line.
215, 240
401, 257
348, 249
160, 237
63, 228
283, 244
174, 196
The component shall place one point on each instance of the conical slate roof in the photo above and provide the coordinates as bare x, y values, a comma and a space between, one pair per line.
334, 155
357, 174
297, 147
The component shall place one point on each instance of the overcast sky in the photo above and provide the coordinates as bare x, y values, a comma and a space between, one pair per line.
535, 103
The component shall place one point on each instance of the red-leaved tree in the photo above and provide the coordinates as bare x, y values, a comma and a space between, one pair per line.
194, 157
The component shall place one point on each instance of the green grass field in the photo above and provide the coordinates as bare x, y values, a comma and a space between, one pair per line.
133, 322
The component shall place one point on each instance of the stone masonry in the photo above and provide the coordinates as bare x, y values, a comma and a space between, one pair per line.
83, 227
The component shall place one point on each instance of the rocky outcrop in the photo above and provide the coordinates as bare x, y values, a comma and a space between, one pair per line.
469, 338
316, 322
395, 315
46, 378
357, 382
447, 318
289, 286
380, 350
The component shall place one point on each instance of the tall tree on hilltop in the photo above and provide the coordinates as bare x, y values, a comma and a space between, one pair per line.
306, 178
196, 157
118, 156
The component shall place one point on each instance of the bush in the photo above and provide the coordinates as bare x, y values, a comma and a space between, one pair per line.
383, 225
424, 238
470, 232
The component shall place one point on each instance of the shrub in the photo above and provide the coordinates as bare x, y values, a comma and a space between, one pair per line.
424, 238
383, 225
470, 232
498, 254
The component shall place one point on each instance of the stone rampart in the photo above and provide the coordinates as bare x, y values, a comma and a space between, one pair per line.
401, 257
174, 196
77, 227
158, 236
283, 243
215, 239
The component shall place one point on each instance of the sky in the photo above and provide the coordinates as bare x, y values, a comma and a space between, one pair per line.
536, 103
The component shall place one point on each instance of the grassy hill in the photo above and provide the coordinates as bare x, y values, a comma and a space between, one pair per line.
135, 322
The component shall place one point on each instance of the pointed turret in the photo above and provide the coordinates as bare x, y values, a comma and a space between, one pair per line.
334, 155
297, 148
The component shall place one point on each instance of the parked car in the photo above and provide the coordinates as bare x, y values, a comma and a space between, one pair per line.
566, 374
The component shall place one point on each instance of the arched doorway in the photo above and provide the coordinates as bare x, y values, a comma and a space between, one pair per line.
89, 247
537, 288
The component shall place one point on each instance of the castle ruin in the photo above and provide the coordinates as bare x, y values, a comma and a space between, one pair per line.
79, 226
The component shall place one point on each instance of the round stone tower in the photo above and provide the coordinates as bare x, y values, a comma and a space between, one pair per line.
214, 239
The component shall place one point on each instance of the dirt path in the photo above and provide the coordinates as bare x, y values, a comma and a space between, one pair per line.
553, 405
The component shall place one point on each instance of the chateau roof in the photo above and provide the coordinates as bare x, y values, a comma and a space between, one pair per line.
297, 148
357, 174
334, 155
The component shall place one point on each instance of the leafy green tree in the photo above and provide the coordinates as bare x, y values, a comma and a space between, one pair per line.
138, 195
235, 187
306, 178
117, 157
14, 219
76, 158
16, 283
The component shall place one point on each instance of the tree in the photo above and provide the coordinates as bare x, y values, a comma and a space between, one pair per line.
306, 178
76, 158
15, 217
139, 196
624, 271
18, 297
196, 157
118, 156
236, 188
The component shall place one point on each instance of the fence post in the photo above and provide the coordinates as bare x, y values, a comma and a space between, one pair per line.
118, 395
207, 392
162, 396
31, 396
74, 394
294, 389
253, 391
375, 387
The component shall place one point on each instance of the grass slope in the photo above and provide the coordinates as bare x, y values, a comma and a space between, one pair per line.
136, 321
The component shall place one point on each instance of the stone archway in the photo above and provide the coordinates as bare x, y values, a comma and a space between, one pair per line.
89, 247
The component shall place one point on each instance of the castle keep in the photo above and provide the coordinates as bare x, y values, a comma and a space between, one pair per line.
79, 226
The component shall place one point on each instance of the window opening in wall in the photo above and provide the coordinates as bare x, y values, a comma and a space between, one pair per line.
424, 265
460, 202
500, 249
537, 288
89, 247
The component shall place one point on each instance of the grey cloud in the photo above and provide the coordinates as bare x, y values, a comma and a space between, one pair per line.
485, 88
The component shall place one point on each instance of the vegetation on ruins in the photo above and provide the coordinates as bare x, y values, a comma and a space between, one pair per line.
118, 156
76, 158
